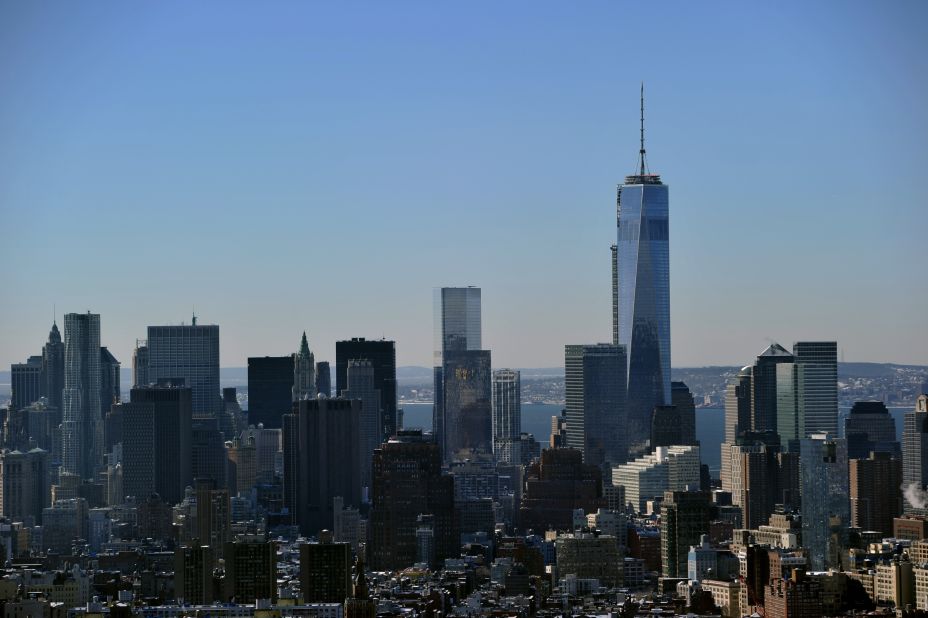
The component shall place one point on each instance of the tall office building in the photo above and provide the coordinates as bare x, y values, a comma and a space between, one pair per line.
595, 392
82, 423
767, 379
140, 364
467, 409
109, 381
304, 372
875, 496
317, 433
826, 513
250, 569
915, 456
642, 295
24, 490
817, 385
754, 476
361, 385
737, 419
207, 451
323, 379
675, 424
191, 353
53, 369
869, 427
325, 570
507, 415
26, 382
270, 389
156, 440
456, 327
382, 356
685, 517
193, 574
408, 482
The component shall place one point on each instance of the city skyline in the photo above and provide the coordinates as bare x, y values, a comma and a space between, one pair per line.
756, 145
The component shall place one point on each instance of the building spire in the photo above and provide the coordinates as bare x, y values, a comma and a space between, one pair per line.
642, 162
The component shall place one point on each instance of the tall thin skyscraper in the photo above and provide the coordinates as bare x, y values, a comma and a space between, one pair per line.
110, 387
362, 385
507, 415
456, 327
304, 372
140, 364
53, 369
82, 423
642, 283
382, 356
826, 508
817, 384
467, 395
323, 379
595, 402
188, 353
26, 382
915, 456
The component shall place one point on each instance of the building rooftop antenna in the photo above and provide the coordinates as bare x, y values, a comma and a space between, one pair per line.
643, 165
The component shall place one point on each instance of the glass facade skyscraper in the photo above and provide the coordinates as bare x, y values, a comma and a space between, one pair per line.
595, 401
82, 424
188, 353
642, 284
456, 327
507, 415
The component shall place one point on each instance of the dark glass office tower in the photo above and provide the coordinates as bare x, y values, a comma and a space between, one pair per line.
467, 403
767, 389
642, 284
817, 385
456, 327
270, 389
323, 379
190, 353
382, 356
26, 382
109, 381
869, 427
595, 402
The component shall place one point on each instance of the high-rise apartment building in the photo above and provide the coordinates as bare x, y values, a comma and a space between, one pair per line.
685, 517
156, 442
507, 415
193, 574
250, 570
82, 422
642, 295
408, 482
270, 389
456, 327
189, 353
667, 468
381, 354
817, 385
24, 490
304, 372
317, 433
915, 454
467, 405
595, 393
361, 385
825, 511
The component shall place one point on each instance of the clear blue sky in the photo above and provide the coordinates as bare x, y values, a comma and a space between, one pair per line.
296, 165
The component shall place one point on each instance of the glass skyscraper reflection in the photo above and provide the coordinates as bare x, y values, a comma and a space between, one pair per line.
642, 284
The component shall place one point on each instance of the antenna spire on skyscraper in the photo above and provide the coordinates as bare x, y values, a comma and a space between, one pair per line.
642, 163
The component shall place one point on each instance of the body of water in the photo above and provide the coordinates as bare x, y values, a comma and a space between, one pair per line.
710, 425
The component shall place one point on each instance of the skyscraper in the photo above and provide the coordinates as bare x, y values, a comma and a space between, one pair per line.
875, 495
317, 433
304, 372
323, 379
456, 327
270, 389
191, 353
595, 393
382, 356
817, 385
467, 395
109, 381
26, 382
766, 382
53, 369
82, 423
140, 364
870, 427
361, 384
826, 513
915, 456
507, 415
642, 284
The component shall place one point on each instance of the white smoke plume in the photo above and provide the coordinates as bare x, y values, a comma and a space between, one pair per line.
915, 495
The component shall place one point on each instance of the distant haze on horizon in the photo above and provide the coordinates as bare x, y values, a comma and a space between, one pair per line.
323, 167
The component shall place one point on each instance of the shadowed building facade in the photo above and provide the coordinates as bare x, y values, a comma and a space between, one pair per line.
270, 389
382, 356
595, 402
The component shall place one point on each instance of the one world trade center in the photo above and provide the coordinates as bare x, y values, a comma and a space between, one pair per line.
641, 295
